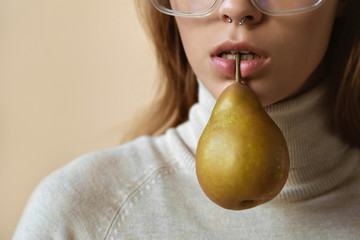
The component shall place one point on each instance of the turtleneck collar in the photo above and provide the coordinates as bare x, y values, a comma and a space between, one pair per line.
319, 159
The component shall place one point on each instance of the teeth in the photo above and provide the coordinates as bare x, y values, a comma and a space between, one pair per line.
242, 52
250, 56
228, 56
245, 55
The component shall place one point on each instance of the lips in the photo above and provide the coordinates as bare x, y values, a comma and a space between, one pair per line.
252, 59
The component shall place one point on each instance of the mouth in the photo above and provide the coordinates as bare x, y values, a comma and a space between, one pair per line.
252, 59
230, 48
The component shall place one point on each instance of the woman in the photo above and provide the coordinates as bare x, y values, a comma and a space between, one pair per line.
303, 64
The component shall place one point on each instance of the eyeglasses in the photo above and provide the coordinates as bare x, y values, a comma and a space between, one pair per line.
201, 8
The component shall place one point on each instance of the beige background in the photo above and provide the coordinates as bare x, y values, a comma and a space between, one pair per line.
72, 75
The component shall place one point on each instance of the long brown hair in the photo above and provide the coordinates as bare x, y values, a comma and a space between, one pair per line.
344, 73
178, 89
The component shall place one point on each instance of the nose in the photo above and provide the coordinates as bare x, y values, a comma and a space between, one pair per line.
237, 10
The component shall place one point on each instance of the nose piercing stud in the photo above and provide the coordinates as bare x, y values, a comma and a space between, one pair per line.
240, 23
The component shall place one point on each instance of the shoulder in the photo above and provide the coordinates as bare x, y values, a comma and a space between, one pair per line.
82, 197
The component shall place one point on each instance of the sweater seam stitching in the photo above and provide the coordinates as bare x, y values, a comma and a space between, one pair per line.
134, 191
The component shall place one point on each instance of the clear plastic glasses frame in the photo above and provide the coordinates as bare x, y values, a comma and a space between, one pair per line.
216, 3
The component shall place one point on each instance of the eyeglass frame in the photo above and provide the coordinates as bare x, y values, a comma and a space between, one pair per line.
213, 8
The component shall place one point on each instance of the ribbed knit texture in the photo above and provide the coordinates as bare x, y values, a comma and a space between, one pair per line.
147, 189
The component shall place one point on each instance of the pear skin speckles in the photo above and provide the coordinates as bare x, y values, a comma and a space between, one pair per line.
242, 158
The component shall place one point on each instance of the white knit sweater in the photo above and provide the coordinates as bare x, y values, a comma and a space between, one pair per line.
147, 189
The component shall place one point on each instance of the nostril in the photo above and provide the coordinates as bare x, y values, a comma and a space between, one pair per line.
249, 18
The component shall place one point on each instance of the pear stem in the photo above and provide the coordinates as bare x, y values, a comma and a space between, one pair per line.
237, 70
237, 67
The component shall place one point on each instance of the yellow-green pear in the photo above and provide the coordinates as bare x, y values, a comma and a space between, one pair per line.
242, 158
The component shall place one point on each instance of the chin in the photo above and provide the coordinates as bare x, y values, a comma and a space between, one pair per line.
217, 87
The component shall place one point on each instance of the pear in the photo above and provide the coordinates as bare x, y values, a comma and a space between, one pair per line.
242, 159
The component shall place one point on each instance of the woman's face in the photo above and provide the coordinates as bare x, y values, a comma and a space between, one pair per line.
287, 49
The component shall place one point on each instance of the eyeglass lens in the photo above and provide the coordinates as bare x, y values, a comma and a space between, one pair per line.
285, 5
187, 5
270, 6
